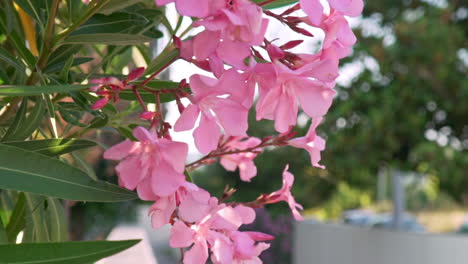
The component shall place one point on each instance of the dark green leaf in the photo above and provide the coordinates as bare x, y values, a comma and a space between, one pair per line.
121, 22
28, 90
18, 42
26, 126
71, 113
51, 177
60, 65
117, 5
3, 235
18, 121
107, 39
36, 221
53, 147
62, 253
17, 220
57, 222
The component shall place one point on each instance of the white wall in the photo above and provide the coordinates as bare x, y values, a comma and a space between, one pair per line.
316, 243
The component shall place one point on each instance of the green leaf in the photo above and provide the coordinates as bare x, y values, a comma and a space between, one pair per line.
28, 90
62, 253
116, 5
277, 3
27, 124
18, 121
57, 222
52, 147
17, 220
3, 234
60, 65
162, 60
51, 177
107, 39
85, 166
121, 22
36, 212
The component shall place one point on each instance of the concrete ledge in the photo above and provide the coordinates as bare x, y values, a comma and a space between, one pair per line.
316, 243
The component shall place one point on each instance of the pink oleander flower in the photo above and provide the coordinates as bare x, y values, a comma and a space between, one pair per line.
216, 110
284, 194
228, 36
114, 87
242, 160
280, 93
200, 8
217, 231
192, 202
314, 9
154, 166
312, 143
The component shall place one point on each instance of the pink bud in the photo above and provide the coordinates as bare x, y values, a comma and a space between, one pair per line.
100, 103
135, 74
148, 115
291, 44
275, 52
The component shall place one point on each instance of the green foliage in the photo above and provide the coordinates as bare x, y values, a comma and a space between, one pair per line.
62, 253
44, 112
52, 147
57, 179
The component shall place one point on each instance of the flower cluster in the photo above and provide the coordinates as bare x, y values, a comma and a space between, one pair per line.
228, 47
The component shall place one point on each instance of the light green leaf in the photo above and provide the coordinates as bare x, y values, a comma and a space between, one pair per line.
53, 147
51, 177
107, 39
28, 90
62, 253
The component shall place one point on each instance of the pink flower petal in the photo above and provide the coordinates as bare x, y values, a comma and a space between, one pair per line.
165, 180
121, 150
187, 119
181, 235
198, 253
313, 9
206, 135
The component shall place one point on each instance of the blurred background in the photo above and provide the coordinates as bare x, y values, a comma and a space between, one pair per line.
397, 134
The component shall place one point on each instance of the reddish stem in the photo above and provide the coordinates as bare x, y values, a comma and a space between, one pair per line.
140, 100
157, 72
266, 2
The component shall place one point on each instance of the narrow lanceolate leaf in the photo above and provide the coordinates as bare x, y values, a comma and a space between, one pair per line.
57, 220
162, 60
53, 147
107, 39
28, 90
28, 171
62, 253
3, 234
276, 4
36, 213
17, 220
27, 124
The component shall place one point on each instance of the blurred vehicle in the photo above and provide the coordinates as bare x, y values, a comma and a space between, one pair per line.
366, 218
